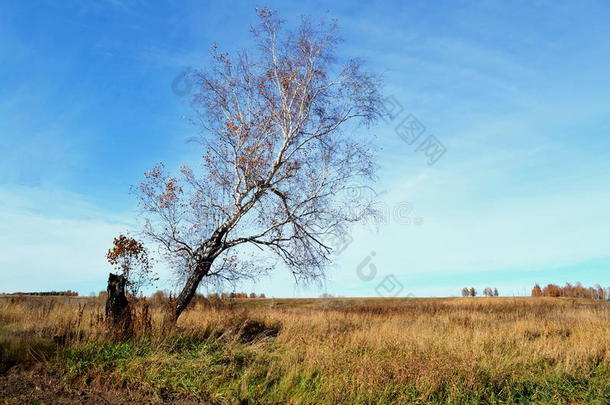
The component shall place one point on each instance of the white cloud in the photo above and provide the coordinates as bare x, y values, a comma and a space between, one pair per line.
54, 239
472, 224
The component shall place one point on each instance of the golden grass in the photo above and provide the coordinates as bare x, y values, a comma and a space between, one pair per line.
358, 350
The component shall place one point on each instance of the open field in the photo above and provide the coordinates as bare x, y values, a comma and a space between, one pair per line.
311, 351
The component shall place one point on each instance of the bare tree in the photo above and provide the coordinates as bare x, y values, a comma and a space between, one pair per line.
473, 292
280, 161
465, 292
600, 294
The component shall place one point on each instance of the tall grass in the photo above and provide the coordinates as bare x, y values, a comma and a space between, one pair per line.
527, 350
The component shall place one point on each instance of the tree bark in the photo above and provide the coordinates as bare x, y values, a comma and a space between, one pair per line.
118, 312
190, 288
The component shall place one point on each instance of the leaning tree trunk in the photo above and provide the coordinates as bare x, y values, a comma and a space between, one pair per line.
190, 288
118, 313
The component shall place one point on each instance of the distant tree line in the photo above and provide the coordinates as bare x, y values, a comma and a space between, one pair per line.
67, 293
574, 291
224, 296
472, 292
159, 295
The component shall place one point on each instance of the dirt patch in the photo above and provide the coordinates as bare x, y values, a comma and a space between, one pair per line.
252, 330
39, 384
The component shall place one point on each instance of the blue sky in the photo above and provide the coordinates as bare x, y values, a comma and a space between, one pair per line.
517, 93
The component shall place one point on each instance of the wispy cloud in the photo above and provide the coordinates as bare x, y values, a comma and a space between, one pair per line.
54, 239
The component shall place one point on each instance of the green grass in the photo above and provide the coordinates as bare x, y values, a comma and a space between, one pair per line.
231, 373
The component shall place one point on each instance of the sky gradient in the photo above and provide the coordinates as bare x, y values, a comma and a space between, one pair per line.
517, 93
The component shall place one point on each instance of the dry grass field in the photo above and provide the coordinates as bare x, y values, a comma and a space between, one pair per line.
312, 351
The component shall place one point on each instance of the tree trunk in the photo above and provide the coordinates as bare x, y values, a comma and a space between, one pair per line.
190, 288
118, 312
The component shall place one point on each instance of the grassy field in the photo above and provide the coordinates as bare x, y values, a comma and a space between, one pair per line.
324, 351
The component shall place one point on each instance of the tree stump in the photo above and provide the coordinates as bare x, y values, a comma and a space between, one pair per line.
118, 313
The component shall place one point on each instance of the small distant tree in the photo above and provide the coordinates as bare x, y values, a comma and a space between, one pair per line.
473, 292
536, 291
600, 293
159, 295
553, 290
252, 295
261, 295
158, 298
496, 294
465, 292
488, 292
